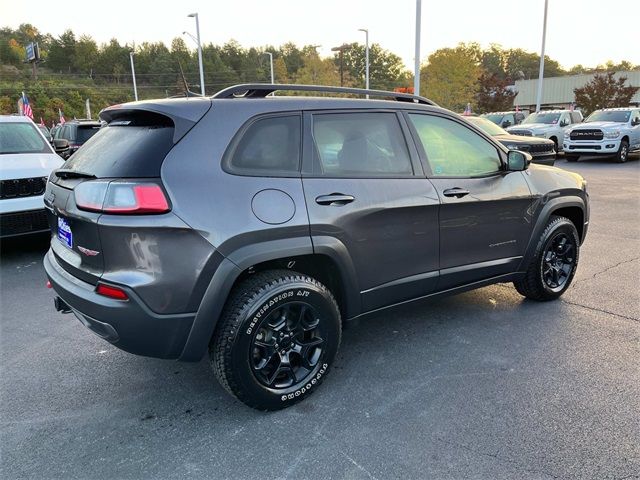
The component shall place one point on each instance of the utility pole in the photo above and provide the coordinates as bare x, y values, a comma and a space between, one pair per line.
416, 70
133, 75
366, 55
541, 71
341, 49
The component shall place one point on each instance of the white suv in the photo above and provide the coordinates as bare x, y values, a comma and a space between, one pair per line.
26, 160
611, 132
551, 124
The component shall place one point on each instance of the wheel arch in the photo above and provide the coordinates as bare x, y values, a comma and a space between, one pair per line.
327, 263
572, 207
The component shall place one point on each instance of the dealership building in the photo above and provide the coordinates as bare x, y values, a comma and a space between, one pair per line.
557, 92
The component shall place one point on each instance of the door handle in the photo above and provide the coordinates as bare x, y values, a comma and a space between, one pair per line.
455, 192
335, 199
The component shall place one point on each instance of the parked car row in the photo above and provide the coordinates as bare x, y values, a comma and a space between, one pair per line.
611, 132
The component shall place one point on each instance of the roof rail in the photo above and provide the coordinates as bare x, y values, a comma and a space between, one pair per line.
261, 90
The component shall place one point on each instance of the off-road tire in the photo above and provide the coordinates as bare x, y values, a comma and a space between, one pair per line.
250, 308
533, 285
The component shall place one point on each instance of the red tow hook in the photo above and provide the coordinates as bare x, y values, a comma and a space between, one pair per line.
48, 284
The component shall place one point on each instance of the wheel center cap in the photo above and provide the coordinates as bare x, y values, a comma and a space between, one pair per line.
285, 341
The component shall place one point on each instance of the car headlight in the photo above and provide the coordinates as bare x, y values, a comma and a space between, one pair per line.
510, 146
612, 134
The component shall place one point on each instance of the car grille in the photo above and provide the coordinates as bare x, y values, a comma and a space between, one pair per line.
587, 134
524, 133
23, 222
22, 187
540, 149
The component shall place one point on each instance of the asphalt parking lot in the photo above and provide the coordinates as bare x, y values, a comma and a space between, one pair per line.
481, 385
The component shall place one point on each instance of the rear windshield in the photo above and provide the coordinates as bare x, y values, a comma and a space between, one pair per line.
125, 148
21, 137
85, 132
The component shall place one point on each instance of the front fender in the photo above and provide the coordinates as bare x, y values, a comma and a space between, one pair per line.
547, 205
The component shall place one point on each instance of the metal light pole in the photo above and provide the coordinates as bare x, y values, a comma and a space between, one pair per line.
341, 49
416, 70
195, 15
133, 75
271, 64
366, 60
541, 71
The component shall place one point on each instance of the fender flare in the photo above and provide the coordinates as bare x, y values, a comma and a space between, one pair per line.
549, 206
238, 261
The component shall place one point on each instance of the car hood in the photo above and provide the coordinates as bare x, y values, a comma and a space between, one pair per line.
520, 140
532, 126
604, 125
28, 165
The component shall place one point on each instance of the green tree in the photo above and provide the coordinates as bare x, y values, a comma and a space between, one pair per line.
317, 71
493, 94
451, 77
604, 91
522, 64
386, 69
86, 52
62, 53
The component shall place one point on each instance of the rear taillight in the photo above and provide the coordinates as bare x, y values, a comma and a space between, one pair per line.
121, 197
111, 292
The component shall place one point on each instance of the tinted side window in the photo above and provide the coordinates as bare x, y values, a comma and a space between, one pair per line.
269, 146
454, 150
363, 144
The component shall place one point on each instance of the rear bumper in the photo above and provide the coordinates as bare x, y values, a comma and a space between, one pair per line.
129, 325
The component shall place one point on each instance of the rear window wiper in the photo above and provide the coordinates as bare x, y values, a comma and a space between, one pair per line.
68, 173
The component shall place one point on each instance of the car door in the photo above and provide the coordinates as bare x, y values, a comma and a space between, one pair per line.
485, 223
635, 130
564, 123
367, 196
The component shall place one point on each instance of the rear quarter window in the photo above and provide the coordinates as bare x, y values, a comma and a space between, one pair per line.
268, 146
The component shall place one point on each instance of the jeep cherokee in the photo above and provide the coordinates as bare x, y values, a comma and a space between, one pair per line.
251, 226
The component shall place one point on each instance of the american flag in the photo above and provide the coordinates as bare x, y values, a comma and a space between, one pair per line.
26, 108
62, 120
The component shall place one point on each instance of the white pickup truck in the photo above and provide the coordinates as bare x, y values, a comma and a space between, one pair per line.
550, 124
611, 132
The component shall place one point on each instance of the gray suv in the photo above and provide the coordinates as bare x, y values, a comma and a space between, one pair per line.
251, 226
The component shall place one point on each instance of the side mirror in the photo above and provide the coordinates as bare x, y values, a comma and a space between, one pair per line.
635, 121
506, 124
61, 146
517, 161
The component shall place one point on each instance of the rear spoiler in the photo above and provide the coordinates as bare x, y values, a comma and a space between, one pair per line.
184, 113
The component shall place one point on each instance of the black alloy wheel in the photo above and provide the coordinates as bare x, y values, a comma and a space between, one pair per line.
558, 261
287, 346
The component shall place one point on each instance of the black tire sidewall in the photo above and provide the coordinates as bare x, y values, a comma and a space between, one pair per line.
258, 310
563, 226
619, 154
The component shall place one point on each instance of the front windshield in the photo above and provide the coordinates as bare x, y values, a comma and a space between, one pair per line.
21, 137
619, 116
488, 127
494, 117
542, 117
